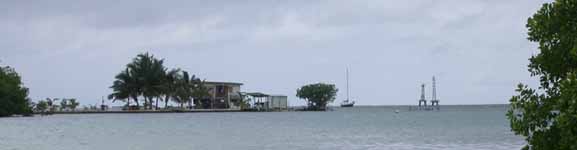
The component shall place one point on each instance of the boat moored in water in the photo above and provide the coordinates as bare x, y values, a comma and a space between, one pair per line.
347, 103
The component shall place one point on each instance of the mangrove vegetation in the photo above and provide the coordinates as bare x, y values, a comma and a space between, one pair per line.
317, 95
13, 95
547, 116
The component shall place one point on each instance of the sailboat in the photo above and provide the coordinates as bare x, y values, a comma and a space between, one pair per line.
348, 102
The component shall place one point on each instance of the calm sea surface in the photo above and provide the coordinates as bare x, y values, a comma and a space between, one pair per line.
454, 127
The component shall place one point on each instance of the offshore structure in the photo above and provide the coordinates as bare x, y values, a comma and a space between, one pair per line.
434, 101
422, 101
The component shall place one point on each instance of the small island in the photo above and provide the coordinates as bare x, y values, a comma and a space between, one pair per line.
146, 85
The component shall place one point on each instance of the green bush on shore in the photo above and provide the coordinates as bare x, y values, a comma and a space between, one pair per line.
13, 95
317, 95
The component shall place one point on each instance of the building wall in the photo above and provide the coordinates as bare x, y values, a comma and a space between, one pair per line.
235, 89
277, 102
221, 96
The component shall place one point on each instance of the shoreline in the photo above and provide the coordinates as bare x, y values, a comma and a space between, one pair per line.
291, 109
144, 111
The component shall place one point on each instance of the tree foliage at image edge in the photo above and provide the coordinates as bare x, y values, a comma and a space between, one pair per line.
13, 95
547, 117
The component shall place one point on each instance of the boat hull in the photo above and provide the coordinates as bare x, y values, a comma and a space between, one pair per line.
347, 105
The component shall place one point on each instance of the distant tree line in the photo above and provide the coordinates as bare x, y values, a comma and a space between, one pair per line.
49, 105
13, 95
146, 81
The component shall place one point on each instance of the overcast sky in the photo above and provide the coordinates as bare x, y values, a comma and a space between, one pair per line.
477, 49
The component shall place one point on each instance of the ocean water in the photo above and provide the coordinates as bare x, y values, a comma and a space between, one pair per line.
379, 128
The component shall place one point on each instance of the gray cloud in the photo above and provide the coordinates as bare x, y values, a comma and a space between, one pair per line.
477, 49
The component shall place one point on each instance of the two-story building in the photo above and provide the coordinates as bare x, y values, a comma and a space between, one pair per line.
223, 95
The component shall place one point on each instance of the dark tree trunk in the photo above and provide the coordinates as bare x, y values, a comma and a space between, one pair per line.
195, 101
144, 103
148, 103
156, 105
151, 104
137, 103
127, 103
166, 101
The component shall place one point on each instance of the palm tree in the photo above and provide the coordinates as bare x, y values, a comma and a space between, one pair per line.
199, 92
72, 104
159, 73
41, 107
146, 76
184, 89
169, 85
125, 87
149, 73
51, 103
63, 104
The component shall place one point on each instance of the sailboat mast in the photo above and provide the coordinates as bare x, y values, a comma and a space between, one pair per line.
347, 84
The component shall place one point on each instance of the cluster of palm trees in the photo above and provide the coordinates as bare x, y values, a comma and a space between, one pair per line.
147, 80
49, 105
